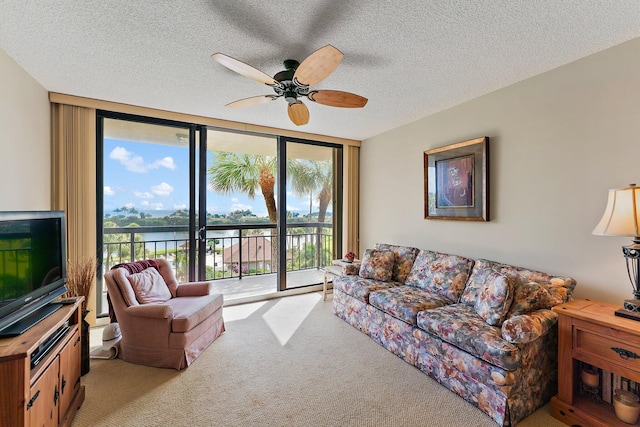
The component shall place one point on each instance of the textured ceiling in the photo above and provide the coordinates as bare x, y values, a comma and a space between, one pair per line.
410, 58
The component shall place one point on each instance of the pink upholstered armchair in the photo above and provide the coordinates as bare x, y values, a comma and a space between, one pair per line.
163, 323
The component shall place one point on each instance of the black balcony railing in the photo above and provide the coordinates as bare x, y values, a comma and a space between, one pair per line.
233, 251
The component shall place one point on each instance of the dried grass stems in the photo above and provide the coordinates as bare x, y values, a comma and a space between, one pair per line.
81, 274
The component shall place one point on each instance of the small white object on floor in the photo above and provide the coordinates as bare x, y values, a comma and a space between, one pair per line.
111, 337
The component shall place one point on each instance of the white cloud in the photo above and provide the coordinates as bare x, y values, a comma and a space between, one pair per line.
148, 205
167, 162
179, 206
143, 194
162, 189
293, 208
108, 191
135, 163
239, 207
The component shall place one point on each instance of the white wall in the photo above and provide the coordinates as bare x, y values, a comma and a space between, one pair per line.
559, 141
25, 153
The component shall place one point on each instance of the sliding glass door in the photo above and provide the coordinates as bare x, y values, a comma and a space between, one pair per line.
148, 197
255, 214
241, 226
313, 187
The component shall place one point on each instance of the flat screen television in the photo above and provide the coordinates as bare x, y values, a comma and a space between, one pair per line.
33, 267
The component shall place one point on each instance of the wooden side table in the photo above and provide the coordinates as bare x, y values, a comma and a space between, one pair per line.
589, 332
336, 269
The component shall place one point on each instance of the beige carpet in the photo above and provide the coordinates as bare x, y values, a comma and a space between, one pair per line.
285, 362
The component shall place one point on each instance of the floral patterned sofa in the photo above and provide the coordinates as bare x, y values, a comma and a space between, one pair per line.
480, 328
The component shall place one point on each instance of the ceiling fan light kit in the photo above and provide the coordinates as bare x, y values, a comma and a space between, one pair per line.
294, 82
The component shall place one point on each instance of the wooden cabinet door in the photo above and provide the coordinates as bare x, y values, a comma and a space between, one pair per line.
42, 407
69, 372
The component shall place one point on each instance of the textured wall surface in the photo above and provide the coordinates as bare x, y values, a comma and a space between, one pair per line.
559, 141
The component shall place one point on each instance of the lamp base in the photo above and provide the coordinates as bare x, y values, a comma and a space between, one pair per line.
631, 309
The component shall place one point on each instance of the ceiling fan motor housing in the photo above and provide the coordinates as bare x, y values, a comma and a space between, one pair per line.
291, 89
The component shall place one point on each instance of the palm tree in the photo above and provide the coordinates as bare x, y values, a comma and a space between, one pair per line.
235, 172
311, 176
245, 173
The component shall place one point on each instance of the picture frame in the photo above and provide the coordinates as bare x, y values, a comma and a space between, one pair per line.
456, 181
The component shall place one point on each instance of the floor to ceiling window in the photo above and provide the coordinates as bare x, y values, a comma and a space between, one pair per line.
313, 230
270, 217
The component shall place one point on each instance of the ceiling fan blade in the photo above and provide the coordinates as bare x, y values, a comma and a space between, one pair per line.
254, 100
337, 98
317, 66
245, 69
298, 113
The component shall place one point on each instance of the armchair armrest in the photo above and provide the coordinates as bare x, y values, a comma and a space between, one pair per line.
194, 289
528, 327
154, 311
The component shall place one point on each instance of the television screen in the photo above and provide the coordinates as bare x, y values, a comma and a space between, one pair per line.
32, 258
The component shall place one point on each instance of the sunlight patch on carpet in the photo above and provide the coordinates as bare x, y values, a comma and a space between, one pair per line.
242, 311
286, 316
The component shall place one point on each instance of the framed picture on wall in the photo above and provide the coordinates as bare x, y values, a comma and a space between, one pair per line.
456, 181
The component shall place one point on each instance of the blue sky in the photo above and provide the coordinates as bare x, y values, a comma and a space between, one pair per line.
154, 177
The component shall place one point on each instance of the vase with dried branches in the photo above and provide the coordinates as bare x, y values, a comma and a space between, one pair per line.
81, 275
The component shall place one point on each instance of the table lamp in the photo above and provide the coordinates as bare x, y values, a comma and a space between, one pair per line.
622, 218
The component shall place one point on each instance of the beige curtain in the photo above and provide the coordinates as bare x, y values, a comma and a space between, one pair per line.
73, 180
351, 235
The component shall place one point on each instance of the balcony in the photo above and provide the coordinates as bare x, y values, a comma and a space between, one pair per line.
240, 259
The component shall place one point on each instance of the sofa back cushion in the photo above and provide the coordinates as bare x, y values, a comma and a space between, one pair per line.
494, 299
404, 256
558, 289
441, 273
377, 265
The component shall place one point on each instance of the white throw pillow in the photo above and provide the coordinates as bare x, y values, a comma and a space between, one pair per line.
149, 287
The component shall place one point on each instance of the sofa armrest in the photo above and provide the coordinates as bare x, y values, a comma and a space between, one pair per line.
194, 289
154, 311
351, 269
528, 327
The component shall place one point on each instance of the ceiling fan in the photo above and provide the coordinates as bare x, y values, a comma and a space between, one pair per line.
294, 82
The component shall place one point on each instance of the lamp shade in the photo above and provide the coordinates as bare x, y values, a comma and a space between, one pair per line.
622, 215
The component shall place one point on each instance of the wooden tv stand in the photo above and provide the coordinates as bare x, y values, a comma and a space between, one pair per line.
50, 393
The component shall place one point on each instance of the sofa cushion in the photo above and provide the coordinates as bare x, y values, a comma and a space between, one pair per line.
359, 287
189, 312
377, 265
559, 288
149, 286
405, 302
441, 273
460, 325
495, 299
404, 256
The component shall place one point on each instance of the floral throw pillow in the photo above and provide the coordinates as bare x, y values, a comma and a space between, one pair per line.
377, 265
528, 297
494, 299
404, 256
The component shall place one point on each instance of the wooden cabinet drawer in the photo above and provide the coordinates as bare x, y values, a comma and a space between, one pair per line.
599, 341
